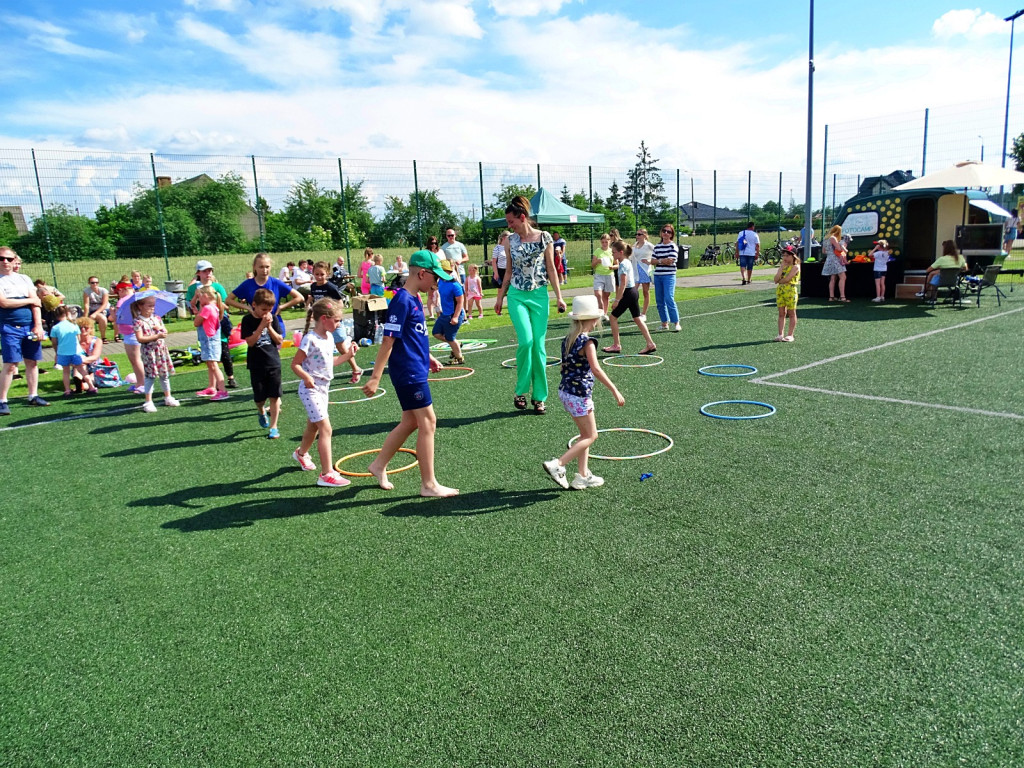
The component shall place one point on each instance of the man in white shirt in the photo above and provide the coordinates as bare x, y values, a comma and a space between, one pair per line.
456, 253
748, 248
21, 330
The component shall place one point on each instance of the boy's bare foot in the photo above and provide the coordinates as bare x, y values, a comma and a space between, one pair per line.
438, 491
381, 473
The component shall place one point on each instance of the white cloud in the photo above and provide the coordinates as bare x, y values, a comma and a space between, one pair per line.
215, 5
52, 38
126, 26
526, 7
971, 23
278, 54
444, 19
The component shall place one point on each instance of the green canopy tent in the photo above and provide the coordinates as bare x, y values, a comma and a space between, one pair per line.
548, 209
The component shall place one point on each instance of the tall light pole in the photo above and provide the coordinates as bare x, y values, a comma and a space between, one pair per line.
808, 237
982, 147
1009, 71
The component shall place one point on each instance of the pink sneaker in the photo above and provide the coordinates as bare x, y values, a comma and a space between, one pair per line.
208, 392
304, 461
333, 480
220, 396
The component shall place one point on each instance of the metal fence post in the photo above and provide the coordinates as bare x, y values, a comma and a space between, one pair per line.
924, 143
483, 214
416, 188
46, 223
824, 187
344, 218
714, 207
160, 215
590, 204
678, 209
778, 232
749, 175
259, 208
538, 177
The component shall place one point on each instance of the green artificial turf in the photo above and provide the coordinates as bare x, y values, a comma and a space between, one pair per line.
838, 584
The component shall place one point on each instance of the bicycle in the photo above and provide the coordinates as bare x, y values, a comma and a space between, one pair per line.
728, 255
771, 255
710, 256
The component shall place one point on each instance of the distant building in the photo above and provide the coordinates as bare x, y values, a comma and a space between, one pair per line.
702, 213
19, 217
878, 185
248, 220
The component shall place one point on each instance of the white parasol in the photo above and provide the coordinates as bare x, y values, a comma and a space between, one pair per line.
165, 302
966, 176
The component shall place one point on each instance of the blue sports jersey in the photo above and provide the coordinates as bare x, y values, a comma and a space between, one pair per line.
449, 290
247, 290
410, 356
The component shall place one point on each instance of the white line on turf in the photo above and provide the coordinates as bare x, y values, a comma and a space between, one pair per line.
766, 380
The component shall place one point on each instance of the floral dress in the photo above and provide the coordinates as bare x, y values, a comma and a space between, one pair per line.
577, 377
785, 293
156, 360
529, 270
833, 264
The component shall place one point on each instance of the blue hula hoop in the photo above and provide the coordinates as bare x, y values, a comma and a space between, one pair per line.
750, 370
771, 410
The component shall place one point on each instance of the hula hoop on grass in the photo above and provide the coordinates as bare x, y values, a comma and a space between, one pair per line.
340, 471
454, 378
629, 429
466, 344
749, 370
608, 361
482, 341
380, 393
471, 345
548, 364
771, 410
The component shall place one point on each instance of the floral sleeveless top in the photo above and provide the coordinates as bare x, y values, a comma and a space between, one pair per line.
528, 268
577, 377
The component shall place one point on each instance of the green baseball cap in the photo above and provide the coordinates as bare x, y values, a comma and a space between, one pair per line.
429, 260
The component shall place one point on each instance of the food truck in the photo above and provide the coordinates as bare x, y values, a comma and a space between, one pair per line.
915, 223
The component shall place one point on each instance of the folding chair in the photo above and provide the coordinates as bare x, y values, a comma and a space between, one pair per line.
988, 280
949, 278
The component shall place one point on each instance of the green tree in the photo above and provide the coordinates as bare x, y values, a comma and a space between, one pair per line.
8, 230
504, 195
645, 186
614, 199
114, 225
398, 226
772, 210
1017, 153
73, 237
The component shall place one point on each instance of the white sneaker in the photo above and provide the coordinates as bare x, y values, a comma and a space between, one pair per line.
643, 319
148, 407
304, 461
787, 338
877, 300
170, 402
580, 482
677, 328
332, 480
919, 295
780, 337
556, 471
604, 318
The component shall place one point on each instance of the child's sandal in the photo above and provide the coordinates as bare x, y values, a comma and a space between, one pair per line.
519, 401
539, 406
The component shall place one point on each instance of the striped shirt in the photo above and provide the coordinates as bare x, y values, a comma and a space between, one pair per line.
666, 251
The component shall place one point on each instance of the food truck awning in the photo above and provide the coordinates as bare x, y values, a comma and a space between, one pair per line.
993, 208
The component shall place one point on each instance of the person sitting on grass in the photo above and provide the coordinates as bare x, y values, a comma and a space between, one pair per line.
627, 297
263, 359
452, 316
92, 352
405, 351
65, 335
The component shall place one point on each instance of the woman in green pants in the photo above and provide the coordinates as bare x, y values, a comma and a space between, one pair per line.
530, 258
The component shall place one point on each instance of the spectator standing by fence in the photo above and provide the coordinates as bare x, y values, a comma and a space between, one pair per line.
456, 253
21, 330
748, 248
666, 254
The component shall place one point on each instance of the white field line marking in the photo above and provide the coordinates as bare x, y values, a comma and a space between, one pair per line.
766, 380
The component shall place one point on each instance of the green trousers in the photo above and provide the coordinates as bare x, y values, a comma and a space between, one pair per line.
529, 313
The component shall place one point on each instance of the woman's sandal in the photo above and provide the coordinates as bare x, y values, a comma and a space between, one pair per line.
539, 406
611, 349
519, 401
356, 376
648, 351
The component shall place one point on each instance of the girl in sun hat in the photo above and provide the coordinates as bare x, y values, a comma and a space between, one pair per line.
579, 369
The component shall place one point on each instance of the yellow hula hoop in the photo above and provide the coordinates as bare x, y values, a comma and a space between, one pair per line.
338, 463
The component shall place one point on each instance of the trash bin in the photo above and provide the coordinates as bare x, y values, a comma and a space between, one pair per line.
684, 257
177, 287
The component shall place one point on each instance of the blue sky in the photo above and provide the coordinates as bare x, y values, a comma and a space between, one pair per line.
707, 85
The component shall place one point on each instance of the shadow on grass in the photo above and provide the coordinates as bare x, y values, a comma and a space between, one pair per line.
861, 312
383, 427
737, 345
475, 503
205, 417
157, 447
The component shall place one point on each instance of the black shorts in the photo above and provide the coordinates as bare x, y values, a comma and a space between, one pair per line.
265, 384
628, 301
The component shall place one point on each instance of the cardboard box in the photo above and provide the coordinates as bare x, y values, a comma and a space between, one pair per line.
368, 303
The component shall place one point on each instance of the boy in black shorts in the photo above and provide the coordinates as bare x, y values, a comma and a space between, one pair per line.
262, 359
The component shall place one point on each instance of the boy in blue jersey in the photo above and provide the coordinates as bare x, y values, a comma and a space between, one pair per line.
405, 351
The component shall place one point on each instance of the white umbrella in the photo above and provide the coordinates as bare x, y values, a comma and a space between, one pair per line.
966, 175
165, 302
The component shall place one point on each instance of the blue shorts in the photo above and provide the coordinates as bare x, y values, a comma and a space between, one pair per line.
746, 261
443, 327
209, 348
130, 340
16, 345
67, 360
413, 396
879, 275
376, 290
339, 336
934, 280
643, 278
